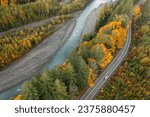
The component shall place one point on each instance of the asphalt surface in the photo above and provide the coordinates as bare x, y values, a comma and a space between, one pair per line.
108, 72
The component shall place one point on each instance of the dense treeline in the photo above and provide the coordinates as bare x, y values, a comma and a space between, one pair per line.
15, 44
10, 2
13, 16
121, 10
24, 1
17, 15
82, 67
6, 2
132, 80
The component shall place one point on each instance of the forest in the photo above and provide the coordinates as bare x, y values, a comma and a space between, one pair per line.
15, 44
83, 66
132, 80
14, 15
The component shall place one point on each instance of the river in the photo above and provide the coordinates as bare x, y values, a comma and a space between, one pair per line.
71, 43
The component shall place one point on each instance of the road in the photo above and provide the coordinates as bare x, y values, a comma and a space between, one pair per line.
108, 72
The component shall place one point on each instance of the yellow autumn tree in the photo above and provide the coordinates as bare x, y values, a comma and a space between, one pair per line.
18, 97
103, 48
119, 37
112, 43
106, 60
91, 75
136, 10
90, 60
90, 78
4, 2
115, 32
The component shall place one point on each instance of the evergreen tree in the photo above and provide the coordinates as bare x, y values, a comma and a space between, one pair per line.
85, 53
104, 15
61, 90
29, 92
47, 87
81, 70
65, 73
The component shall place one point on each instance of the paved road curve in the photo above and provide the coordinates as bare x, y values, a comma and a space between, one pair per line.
107, 73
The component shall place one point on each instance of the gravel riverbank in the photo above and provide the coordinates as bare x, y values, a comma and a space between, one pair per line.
90, 22
34, 60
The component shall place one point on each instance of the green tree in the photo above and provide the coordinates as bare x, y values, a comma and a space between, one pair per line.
97, 52
81, 70
88, 37
66, 74
104, 15
61, 90
47, 86
85, 53
29, 92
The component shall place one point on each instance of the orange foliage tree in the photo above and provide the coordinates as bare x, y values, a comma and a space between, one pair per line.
115, 32
18, 97
109, 38
90, 78
119, 36
4, 2
106, 60
136, 10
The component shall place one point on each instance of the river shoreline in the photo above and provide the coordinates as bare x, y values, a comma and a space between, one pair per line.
33, 62
37, 58
90, 23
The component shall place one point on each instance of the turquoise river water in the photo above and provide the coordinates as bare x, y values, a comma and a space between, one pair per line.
64, 51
